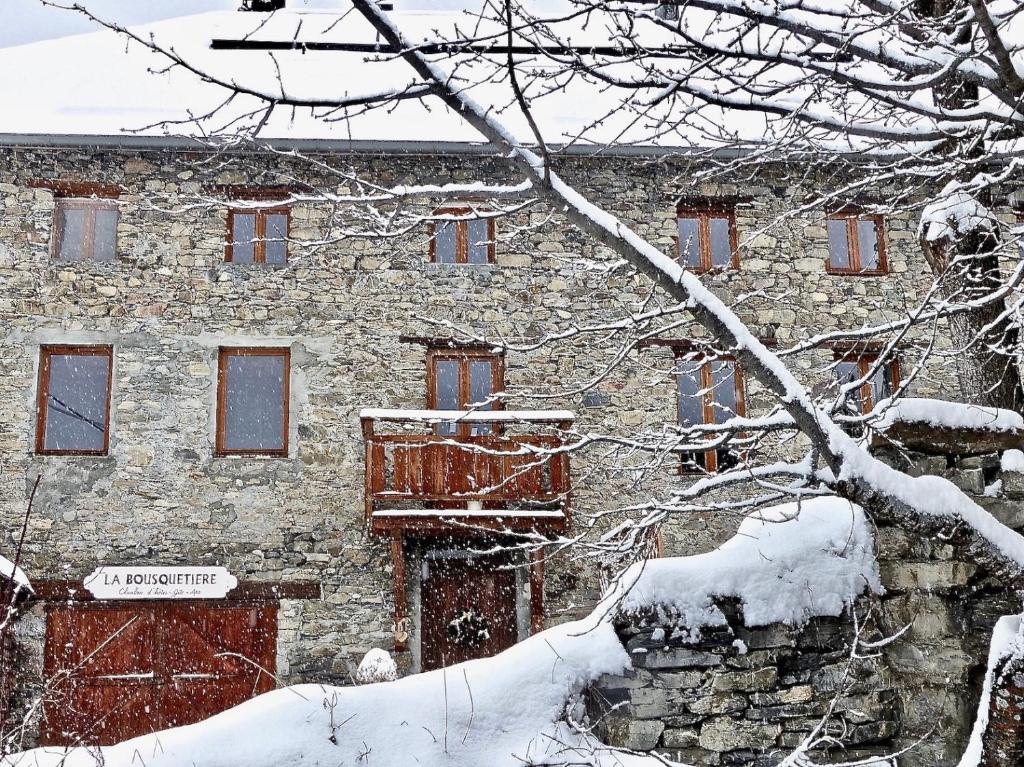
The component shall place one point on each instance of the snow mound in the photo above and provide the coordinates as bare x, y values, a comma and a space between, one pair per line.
499, 712
376, 666
949, 415
786, 564
954, 212
1007, 640
1012, 460
7, 570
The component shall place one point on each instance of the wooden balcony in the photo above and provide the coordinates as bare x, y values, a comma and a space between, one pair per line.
442, 470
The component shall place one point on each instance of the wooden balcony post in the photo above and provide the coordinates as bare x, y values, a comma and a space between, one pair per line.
536, 590
401, 608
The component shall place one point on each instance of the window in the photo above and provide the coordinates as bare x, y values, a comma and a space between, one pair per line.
73, 408
707, 238
851, 367
461, 239
464, 380
856, 244
85, 229
258, 236
710, 391
252, 401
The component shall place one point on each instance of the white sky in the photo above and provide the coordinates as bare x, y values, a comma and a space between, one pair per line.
26, 21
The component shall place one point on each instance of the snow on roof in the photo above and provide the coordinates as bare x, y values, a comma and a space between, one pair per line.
949, 415
7, 569
785, 564
101, 84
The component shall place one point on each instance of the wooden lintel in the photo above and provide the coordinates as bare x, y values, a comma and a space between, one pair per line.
56, 590
64, 188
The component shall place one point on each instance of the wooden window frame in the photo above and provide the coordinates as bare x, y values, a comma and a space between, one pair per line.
90, 205
707, 403
865, 361
462, 234
220, 451
42, 394
259, 245
851, 217
464, 357
704, 214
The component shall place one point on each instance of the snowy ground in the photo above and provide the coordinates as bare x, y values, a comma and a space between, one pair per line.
785, 564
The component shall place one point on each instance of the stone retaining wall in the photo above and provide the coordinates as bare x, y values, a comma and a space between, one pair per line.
742, 695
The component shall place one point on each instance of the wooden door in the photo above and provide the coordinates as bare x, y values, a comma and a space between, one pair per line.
467, 609
118, 671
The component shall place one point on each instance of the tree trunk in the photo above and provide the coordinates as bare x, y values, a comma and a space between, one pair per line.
985, 347
1003, 740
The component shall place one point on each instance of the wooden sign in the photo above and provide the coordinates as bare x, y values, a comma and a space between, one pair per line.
160, 582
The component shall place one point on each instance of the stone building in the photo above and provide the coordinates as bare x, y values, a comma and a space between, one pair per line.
228, 393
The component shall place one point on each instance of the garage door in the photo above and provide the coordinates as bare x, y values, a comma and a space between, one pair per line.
117, 671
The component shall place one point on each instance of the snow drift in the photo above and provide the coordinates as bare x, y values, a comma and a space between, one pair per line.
787, 563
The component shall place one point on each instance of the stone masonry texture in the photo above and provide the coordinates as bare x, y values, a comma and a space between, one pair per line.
169, 301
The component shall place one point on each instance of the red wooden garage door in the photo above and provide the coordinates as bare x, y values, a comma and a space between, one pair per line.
117, 671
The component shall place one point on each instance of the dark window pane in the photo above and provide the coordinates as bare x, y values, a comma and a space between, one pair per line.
479, 240
244, 233
481, 379
846, 373
723, 388
867, 241
277, 238
691, 401
838, 246
446, 391
444, 242
881, 384
76, 402
71, 228
721, 247
255, 406
105, 234
689, 246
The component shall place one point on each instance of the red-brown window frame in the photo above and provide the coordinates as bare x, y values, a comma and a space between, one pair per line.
464, 357
90, 205
865, 361
686, 354
222, 402
462, 233
851, 217
704, 214
42, 395
259, 245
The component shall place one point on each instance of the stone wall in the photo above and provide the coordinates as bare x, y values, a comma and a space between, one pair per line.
746, 695
341, 304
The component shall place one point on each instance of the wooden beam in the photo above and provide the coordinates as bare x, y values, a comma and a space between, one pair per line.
401, 607
536, 590
57, 590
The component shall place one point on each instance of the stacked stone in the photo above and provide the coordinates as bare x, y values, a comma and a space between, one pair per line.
744, 695
738, 695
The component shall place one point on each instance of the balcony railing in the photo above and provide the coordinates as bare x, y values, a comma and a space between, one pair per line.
496, 469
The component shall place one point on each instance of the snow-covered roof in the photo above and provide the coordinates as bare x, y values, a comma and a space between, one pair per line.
102, 85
